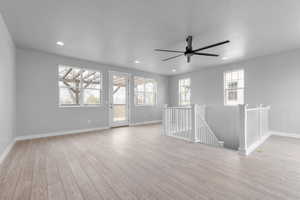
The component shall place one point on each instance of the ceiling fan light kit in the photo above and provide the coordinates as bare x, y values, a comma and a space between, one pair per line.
189, 51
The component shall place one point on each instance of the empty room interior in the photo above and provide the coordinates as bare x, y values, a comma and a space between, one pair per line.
152, 100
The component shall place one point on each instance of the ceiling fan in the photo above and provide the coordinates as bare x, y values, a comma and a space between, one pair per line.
189, 52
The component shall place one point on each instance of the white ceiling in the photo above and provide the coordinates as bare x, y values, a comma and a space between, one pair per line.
118, 32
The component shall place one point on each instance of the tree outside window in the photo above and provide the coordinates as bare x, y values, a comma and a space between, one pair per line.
79, 87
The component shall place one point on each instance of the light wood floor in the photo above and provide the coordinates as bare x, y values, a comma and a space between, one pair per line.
138, 163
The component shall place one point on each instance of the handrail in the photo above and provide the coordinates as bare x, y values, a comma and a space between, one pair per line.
182, 107
257, 108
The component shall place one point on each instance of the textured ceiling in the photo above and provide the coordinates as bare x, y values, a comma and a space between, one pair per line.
118, 32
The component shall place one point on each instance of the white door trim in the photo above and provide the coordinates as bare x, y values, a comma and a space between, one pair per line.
111, 123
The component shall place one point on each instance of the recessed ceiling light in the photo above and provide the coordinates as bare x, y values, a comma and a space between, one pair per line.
60, 43
174, 70
137, 61
224, 58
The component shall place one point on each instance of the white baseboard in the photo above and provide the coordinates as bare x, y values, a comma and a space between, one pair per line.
254, 146
44, 135
242, 152
146, 123
181, 138
277, 133
7, 150
292, 135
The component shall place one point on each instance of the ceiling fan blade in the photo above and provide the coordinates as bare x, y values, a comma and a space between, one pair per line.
165, 50
172, 57
206, 54
210, 46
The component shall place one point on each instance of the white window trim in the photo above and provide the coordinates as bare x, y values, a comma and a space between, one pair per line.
179, 95
224, 86
81, 105
156, 92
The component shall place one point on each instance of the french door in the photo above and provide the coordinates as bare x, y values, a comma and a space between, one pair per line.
118, 99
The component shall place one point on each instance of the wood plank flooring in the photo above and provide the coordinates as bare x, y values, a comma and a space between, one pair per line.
138, 163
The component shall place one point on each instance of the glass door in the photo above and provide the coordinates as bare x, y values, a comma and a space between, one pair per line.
119, 99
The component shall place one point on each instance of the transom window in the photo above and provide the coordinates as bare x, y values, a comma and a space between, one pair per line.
145, 91
184, 86
234, 87
78, 86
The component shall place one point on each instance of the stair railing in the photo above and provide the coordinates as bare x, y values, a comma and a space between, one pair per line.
189, 123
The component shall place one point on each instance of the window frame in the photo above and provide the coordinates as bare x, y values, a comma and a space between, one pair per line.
155, 91
225, 99
179, 93
81, 97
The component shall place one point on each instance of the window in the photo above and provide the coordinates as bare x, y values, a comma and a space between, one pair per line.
145, 91
234, 87
184, 88
79, 87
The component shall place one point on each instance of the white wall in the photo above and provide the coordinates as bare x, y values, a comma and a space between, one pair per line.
272, 80
7, 87
37, 96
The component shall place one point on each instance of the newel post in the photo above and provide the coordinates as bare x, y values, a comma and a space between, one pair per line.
193, 118
164, 120
242, 129
260, 115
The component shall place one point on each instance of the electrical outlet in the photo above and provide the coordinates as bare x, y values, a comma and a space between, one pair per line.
89, 121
